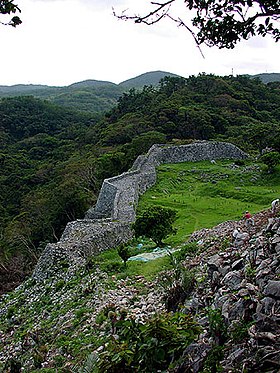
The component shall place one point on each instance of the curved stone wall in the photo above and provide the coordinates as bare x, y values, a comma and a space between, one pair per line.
109, 223
119, 195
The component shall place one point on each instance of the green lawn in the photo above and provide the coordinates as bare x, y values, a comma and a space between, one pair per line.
204, 194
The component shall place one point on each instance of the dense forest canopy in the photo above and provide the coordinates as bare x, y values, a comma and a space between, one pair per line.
54, 159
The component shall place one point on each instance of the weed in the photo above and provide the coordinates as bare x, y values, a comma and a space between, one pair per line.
11, 312
59, 285
88, 366
177, 284
188, 249
217, 326
250, 273
100, 318
148, 347
239, 331
59, 361
212, 362
225, 244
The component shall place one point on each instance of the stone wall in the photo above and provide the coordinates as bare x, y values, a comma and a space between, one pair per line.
108, 223
80, 240
119, 195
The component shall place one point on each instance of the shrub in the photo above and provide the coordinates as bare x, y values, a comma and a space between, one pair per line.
155, 223
188, 249
148, 347
177, 284
124, 252
217, 326
271, 159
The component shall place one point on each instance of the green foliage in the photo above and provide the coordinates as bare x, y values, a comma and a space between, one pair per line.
59, 285
212, 362
177, 284
155, 345
88, 366
239, 331
142, 143
221, 23
124, 253
251, 273
205, 195
271, 159
155, 223
217, 326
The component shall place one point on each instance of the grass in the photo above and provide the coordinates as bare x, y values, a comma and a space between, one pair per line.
110, 262
202, 194
205, 194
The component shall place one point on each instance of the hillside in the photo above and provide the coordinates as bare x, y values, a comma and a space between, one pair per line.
94, 95
268, 77
90, 95
54, 159
224, 295
149, 78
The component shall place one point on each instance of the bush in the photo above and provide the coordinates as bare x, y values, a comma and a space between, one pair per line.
155, 345
188, 249
155, 223
124, 253
177, 284
271, 159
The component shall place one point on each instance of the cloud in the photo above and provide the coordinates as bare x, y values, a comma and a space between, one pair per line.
64, 41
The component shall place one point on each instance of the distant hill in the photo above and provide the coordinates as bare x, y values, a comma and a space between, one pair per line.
89, 95
91, 83
97, 96
20, 88
268, 77
150, 78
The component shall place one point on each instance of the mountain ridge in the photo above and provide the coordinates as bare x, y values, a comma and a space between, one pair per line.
90, 95
155, 76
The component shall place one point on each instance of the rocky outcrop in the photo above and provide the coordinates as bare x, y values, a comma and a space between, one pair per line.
243, 287
235, 299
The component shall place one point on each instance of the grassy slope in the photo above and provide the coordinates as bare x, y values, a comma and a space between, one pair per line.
64, 315
205, 194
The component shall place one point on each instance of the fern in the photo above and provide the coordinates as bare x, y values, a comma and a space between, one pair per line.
89, 365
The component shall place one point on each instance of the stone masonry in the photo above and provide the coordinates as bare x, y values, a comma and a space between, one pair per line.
109, 223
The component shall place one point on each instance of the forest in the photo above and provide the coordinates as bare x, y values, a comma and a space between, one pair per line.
54, 159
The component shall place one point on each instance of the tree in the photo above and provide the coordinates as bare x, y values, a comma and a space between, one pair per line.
155, 223
271, 159
221, 23
123, 252
142, 143
8, 7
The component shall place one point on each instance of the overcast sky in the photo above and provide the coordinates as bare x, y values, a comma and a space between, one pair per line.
61, 42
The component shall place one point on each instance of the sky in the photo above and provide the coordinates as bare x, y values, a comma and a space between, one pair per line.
61, 42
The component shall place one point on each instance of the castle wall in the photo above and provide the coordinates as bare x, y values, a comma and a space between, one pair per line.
143, 175
108, 224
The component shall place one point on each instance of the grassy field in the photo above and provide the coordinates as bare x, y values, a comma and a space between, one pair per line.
205, 194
